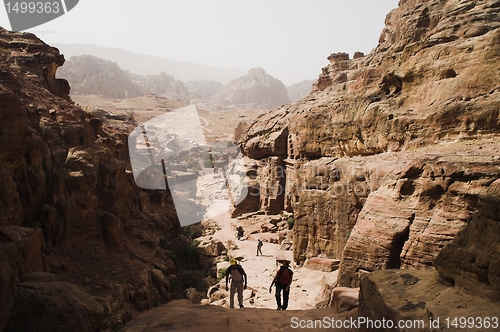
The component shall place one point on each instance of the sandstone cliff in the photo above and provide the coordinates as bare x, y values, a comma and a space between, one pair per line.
255, 90
391, 155
69, 206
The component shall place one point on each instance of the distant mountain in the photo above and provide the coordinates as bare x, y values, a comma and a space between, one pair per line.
151, 65
299, 90
166, 86
206, 89
89, 75
255, 90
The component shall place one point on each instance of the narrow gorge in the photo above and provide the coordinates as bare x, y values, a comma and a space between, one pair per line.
391, 166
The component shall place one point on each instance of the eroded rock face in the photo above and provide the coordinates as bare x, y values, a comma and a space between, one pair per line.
430, 80
388, 157
407, 221
417, 296
68, 201
472, 260
55, 306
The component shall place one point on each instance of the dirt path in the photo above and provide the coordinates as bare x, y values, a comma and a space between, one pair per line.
305, 291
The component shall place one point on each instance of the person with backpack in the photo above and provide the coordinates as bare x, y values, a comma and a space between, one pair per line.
259, 247
238, 282
282, 280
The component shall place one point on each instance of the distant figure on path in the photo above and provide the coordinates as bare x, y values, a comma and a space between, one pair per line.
259, 247
238, 282
282, 280
239, 232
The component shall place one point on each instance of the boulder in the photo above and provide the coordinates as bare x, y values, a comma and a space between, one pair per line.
211, 247
418, 296
55, 306
344, 299
322, 264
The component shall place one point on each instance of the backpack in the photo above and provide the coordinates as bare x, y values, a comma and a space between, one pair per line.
285, 275
236, 273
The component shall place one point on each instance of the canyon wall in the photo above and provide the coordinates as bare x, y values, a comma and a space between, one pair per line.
69, 205
387, 159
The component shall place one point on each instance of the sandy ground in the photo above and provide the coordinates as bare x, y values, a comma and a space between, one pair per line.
217, 125
305, 291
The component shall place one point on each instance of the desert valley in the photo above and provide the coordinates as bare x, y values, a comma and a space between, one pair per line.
379, 181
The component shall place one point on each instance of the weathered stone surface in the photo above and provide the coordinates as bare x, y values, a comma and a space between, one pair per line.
38, 277
112, 231
425, 84
7, 280
183, 315
23, 248
418, 295
472, 259
322, 264
344, 299
61, 169
326, 196
245, 197
211, 247
56, 306
408, 220
395, 98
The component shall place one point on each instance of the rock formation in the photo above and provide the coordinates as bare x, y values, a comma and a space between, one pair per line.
69, 204
166, 86
255, 90
206, 89
89, 75
394, 154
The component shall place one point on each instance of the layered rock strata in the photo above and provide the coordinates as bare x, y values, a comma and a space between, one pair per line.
68, 200
390, 156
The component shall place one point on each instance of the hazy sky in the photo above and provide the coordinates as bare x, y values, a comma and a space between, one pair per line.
290, 39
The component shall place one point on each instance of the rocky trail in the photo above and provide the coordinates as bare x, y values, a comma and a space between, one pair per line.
306, 287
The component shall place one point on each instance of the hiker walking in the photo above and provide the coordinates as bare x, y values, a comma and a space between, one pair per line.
259, 247
238, 282
282, 280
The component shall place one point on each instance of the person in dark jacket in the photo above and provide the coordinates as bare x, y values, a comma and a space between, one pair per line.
282, 280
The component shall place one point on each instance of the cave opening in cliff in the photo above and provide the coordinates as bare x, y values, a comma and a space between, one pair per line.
396, 249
